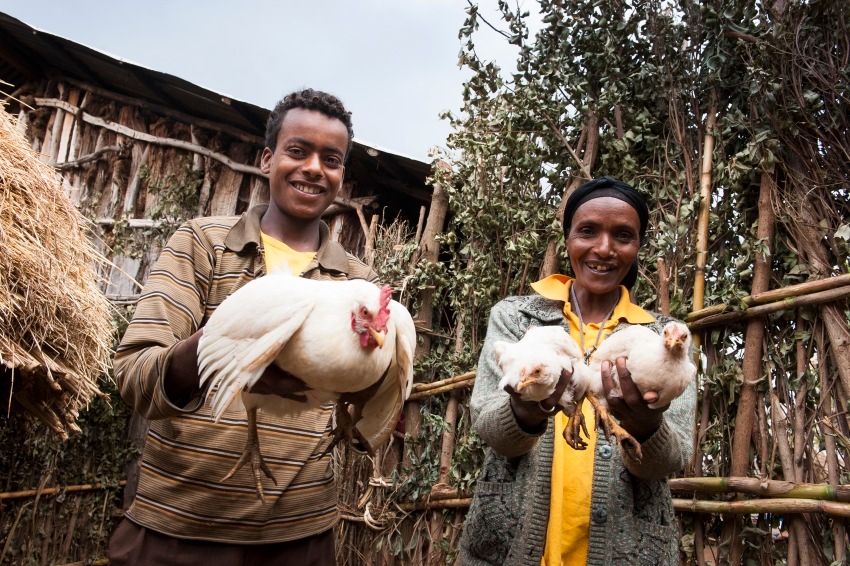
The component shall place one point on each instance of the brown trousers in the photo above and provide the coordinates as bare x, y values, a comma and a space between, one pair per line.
133, 545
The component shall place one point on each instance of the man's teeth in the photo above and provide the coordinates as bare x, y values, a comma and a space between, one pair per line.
307, 189
597, 267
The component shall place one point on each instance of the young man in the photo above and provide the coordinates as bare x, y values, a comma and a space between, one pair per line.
182, 513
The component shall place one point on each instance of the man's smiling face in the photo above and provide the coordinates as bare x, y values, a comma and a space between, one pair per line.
306, 167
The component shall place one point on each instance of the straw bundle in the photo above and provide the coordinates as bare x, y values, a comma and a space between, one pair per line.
55, 323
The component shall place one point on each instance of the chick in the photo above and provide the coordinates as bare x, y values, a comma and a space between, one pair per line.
660, 366
533, 366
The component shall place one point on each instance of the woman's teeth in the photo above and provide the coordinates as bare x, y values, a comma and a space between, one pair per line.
597, 267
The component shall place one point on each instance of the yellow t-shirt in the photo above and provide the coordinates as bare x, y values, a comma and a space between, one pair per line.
572, 470
278, 253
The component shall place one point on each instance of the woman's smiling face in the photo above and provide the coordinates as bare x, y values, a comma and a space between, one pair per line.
603, 243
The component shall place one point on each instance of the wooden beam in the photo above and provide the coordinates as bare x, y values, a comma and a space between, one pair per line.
787, 303
171, 113
156, 140
87, 158
54, 490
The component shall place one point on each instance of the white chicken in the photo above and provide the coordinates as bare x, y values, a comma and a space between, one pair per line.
660, 366
347, 340
533, 366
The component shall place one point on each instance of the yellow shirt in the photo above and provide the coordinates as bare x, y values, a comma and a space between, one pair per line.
572, 470
278, 253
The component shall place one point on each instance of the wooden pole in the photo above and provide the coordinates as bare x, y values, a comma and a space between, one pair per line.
827, 410
444, 389
369, 248
801, 442
751, 506
28, 493
663, 287
428, 250
447, 449
94, 156
790, 303
752, 362
703, 217
760, 487
774, 295
704, 205
422, 387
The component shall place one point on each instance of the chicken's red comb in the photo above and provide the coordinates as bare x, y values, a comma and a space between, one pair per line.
383, 314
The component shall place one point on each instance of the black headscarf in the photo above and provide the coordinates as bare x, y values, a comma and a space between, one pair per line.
609, 187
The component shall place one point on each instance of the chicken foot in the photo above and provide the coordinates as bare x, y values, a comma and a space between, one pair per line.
346, 422
346, 428
610, 426
253, 455
575, 425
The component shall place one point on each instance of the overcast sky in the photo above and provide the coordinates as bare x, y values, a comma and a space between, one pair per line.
392, 62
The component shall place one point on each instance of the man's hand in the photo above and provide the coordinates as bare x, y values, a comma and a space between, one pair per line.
275, 381
631, 408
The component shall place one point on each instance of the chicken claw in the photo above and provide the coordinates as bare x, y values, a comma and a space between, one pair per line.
611, 427
348, 412
572, 432
345, 429
252, 454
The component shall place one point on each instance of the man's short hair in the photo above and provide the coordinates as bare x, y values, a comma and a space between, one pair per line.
308, 99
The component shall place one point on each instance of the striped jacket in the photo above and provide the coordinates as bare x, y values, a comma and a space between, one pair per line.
186, 452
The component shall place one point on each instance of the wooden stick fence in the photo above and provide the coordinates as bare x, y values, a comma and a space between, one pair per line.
774, 506
462, 381
755, 486
775, 295
785, 497
8, 496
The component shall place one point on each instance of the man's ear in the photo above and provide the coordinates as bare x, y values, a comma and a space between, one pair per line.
266, 161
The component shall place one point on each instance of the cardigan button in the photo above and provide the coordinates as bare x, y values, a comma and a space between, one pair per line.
604, 451
599, 515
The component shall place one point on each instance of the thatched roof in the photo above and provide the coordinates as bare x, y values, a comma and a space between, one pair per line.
55, 323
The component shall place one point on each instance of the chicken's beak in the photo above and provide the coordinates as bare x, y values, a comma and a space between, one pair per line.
525, 383
377, 336
675, 343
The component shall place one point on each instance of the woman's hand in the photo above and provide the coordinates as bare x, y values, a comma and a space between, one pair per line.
631, 408
275, 381
530, 414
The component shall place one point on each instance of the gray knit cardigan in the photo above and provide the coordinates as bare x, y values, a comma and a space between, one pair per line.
632, 520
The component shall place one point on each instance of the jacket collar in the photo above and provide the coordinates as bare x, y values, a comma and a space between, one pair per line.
557, 288
245, 235
547, 311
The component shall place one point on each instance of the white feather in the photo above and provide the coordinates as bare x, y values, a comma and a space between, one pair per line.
305, 328
542, 354
652, 365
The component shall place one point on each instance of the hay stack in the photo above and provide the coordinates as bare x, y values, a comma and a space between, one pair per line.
55, 323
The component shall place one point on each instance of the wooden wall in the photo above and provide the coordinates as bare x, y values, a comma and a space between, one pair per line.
112, 155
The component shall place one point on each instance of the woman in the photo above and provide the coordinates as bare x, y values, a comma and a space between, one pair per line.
538, 501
